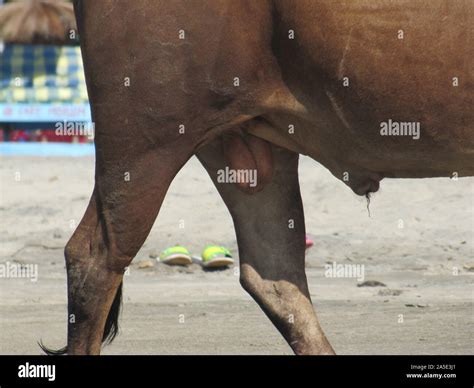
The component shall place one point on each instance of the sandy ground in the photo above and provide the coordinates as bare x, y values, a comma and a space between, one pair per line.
427, 266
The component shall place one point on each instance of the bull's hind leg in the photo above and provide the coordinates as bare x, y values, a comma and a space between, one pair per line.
128, 194
271, 236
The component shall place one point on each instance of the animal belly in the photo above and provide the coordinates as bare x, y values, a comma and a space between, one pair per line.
388, 86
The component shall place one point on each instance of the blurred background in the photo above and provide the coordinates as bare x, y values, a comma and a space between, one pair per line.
43, 95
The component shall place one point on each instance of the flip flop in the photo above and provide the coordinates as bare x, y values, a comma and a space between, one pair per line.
177, 255
214, 256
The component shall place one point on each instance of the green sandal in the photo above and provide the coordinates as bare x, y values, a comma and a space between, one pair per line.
177, 255
214, 256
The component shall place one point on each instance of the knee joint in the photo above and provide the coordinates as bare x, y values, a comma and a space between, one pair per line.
80, 250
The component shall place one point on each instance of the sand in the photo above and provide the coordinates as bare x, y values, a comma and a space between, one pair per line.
418, 242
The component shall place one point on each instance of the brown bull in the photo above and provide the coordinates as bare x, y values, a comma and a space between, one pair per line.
369, 88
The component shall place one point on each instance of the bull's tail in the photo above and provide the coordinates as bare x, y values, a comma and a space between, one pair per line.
111, 328
111, 324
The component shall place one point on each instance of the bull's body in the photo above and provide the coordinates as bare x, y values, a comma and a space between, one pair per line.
252, 84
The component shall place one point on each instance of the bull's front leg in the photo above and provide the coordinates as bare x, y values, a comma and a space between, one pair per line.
271, 236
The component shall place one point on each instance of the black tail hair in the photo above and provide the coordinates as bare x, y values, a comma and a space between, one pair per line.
111, 328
